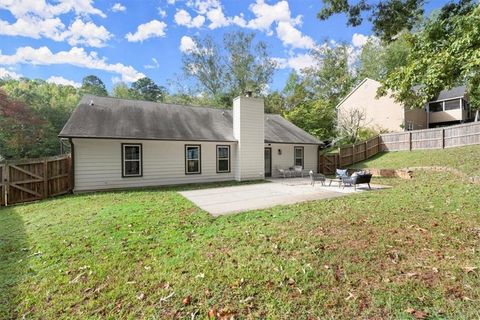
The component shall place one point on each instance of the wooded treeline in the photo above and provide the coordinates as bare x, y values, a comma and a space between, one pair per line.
408, 50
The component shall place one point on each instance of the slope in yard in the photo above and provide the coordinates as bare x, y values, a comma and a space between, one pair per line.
405, 251
465, 159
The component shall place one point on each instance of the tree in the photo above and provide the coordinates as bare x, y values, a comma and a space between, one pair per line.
204, 63
275, 103
21, 130
445, 53
379, 59
122, 91
222, 72
350, 123
249, 66
388, 17
93, 85
311, 97
146, 89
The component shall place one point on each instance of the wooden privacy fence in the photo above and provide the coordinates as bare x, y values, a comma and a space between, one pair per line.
34, 179
438, 138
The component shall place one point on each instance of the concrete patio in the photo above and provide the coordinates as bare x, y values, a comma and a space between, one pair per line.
227, 200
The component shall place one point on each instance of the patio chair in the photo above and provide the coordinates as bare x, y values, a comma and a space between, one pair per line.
341, 173
283, 172
316, 177
357, 178
298, 171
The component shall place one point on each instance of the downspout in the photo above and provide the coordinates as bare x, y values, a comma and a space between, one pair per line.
72, 163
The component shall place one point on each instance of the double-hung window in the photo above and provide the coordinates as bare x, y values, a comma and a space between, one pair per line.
131, 160
223, 159
298, 153
192, 159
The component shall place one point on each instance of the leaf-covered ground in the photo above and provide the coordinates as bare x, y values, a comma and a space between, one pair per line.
405, 252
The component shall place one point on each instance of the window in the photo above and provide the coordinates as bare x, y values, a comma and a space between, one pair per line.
410, 126
131, 160
192, 159
298, 151
223, 159
436, 106
452, 104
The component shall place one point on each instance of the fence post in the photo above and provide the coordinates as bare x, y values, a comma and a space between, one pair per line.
410, 140
45, 178
366, 151
443, 138
6, 185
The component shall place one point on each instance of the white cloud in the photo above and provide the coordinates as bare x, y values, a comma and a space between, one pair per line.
38, 19
147, 30
266, 15
75, 56
187, 44
154, 65
297, 62
203, 6
289, 35
34, 27
4, 73
359, 40
63, 81
183, 18
78, 33
162, 13
88, 33
118, 7
40, 8
171, 2
217, 19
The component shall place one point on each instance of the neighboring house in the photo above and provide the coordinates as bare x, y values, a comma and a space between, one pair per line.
385, 114
119, 143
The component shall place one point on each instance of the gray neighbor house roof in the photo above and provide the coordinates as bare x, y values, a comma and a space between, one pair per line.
455, 92
112, 118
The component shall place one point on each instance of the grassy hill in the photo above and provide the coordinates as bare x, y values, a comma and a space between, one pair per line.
409, 251
465, 159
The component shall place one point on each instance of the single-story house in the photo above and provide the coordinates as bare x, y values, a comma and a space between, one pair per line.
119, 143
385, 114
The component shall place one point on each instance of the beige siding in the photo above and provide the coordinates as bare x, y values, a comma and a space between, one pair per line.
286, 159
381, 114
448, 115
248, 129
98, 164
417, 117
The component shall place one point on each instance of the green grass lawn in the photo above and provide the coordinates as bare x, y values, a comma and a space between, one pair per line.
465, 159
408, 251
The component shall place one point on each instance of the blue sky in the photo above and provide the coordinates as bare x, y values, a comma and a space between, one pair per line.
120, 40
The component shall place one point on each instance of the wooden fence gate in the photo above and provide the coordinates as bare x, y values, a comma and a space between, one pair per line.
34, 179
327, 163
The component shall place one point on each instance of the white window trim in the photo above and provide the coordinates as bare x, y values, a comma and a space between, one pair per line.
124, 160
302, 157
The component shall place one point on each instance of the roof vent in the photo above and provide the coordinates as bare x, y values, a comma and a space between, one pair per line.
91, 102
223, 113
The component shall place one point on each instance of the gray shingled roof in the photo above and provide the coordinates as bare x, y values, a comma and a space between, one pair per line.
454, 92
131, 119
446, 94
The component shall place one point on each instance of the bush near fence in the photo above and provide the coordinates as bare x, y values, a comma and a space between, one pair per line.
437, 138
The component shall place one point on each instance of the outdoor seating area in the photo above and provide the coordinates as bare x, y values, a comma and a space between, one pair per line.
291, 172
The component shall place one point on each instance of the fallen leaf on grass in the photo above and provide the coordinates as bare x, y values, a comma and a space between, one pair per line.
167, 297
417, 313
469, 269
141, 296
186, 301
